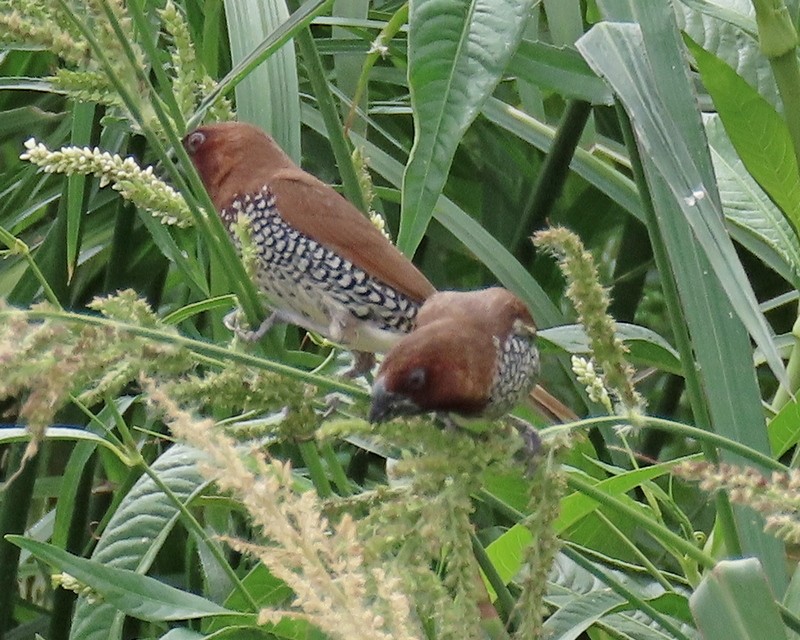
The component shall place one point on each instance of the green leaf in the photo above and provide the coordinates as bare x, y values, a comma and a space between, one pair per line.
580, 613
136, 532
784, 428
9, 434
753, 219
644, 344
130, 592
506, 552
757, 131
561, 69
583, 590
678, 170
457, 52
735, 602
268, 96
731, 34
613, 50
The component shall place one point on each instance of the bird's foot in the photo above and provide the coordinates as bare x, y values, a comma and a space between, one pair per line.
333, 402
363, 361
531, 442
233, 319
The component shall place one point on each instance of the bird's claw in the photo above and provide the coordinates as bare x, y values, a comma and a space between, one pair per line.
232, 321
333, 401
363, 361
531, 443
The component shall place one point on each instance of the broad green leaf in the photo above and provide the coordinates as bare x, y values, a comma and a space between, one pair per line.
586, 595
679, 174
506, 552
784, 428
644, 344
753, 219
613, 50
576, 616
728, 30
560, 69
132, 593
757, 131
735, 602
269, 95
564, 20
136, 532
457, 52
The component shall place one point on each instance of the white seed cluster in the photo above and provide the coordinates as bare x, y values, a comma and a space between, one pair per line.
140, 186
595, 389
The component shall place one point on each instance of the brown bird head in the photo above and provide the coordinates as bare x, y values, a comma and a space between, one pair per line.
234, 158
472, 353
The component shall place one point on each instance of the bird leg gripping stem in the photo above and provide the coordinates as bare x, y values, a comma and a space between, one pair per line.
233, 319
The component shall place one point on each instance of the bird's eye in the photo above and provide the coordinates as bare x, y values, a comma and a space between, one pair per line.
194, 140
416, 379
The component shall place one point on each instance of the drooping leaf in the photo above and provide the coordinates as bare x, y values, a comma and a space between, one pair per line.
457, 52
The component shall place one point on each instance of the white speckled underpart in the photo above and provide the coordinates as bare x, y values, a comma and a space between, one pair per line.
312, 286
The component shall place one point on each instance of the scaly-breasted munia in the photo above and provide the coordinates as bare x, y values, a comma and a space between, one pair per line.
471, 353
323, 265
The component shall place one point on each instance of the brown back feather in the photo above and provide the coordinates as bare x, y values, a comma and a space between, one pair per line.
316, 210
235, 159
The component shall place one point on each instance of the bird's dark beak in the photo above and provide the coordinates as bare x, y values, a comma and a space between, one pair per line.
387, 404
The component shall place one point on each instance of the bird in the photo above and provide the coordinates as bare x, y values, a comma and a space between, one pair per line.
472, 354
322, 264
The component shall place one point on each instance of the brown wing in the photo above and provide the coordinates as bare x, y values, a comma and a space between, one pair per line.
316, 210
495, 309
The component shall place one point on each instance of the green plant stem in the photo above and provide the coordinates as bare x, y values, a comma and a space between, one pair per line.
63, 600
330, 114
17, 246
202, 348
777, 37
680, 330
555, 168
316, 470
621, 590
626, 542
16, 504
783, 396
505, 601
340, 478
395, 23
149, 45
187, 517
786, 70
708, 437
192, 524
789, 617
665, 536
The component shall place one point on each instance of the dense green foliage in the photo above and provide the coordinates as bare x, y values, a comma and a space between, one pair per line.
185, 485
